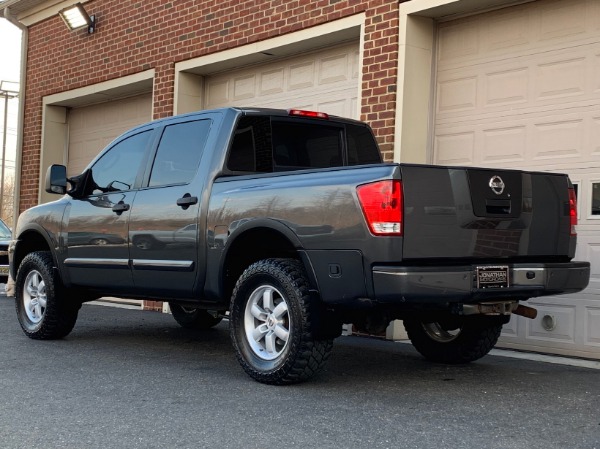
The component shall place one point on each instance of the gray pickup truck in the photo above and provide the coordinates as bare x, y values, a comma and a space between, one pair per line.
289, 224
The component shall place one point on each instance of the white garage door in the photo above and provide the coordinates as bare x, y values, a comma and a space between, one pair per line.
91, 128
325, 81
520, 88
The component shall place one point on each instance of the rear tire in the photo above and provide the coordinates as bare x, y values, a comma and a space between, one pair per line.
454, 341
43, 307
270, 324
192, 317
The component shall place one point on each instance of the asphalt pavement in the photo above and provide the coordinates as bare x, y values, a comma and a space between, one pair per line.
133, 379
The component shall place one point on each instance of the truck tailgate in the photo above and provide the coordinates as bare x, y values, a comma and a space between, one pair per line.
474, 213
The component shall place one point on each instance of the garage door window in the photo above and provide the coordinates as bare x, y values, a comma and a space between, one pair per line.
596, 199
117, 169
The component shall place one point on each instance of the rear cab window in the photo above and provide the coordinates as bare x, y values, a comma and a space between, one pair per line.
263, 144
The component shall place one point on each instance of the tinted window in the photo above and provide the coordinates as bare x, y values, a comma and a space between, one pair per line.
362, 148
304, 145
179, 153
118, 168
251, 147
263, 145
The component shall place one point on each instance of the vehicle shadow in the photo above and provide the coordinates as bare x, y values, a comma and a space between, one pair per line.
355, 362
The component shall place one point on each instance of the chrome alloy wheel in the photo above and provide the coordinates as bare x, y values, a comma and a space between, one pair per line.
437, 333
267, 322
34, 296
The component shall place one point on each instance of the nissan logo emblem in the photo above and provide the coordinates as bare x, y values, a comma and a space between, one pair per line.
497, 185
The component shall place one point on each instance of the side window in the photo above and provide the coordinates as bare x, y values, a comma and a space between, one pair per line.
251, 147
179, 153
362, 148
117, 169
304, 145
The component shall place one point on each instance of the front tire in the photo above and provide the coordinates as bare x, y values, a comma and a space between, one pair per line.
43, 309
193, 318
454, 341
270, 324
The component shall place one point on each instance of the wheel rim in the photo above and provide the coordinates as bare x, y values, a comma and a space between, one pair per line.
34, 296
143, 244
266, 322
436, 332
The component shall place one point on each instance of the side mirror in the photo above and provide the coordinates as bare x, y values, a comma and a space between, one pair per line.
56, 179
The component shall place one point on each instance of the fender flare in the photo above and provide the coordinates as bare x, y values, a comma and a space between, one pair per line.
51, 242
273, 225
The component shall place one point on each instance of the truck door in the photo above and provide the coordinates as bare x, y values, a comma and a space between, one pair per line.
97, 252
164, 229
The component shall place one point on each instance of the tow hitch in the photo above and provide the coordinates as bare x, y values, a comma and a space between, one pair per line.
499, 308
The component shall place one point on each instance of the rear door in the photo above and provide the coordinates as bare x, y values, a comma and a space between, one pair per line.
164, 230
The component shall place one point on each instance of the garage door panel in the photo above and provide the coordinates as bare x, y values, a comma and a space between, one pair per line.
556, 323
505, 144
93, 127
546, 141
455, 147
560, 78
272, 82
560, 19
457, 95
552, 82
326, 80
244, 87
217, 92
334, 69
518, 31
506, 87
301, 75
592, 326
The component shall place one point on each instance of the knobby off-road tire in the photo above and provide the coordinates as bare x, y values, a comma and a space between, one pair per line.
193, 318
472, 339
270, 324
44, 310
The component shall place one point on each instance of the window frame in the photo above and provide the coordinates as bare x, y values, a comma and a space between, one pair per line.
590, 202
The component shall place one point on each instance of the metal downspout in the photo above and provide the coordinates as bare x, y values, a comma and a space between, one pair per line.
21, 114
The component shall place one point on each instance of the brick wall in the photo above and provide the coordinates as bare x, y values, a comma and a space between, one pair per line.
135, 35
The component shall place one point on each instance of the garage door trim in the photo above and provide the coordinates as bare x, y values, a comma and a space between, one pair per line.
189, 86
55, 121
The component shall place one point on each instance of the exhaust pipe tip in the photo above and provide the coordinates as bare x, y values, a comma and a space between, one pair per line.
526, 311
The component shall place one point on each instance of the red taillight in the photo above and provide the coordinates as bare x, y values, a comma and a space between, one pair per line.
573, 210
312, 114
381, 203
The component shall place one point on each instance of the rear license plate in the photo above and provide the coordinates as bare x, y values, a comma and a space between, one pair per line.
492, 277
